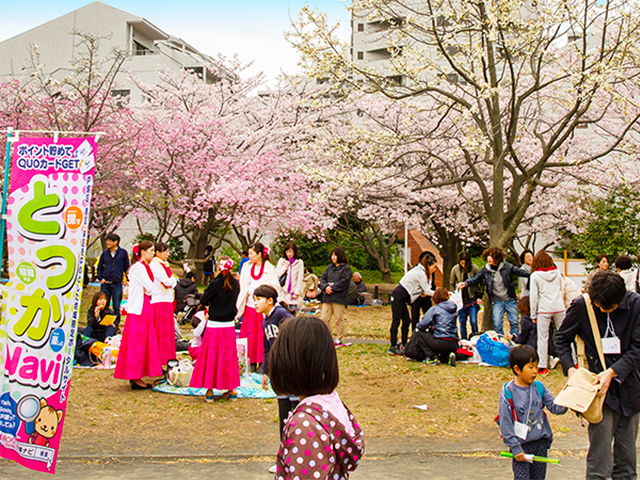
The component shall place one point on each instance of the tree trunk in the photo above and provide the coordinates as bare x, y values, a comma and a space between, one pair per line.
451, 246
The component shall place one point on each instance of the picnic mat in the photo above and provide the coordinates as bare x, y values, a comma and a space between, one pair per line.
250, 387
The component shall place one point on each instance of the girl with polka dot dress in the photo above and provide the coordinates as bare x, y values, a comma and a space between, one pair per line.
321, 438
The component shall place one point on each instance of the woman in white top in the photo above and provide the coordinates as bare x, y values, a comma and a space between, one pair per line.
258, 271
546, 302
291, 266
162, 303
139, 356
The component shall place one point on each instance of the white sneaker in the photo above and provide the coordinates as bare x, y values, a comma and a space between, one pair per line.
273, 469
553, 362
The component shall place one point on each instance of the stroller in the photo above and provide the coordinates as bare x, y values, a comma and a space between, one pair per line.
191, 304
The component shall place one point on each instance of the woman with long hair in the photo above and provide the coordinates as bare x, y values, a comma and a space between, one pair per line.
162, 302
258, 271
415, 283
334, 285
217, 363
139, 356
291, 268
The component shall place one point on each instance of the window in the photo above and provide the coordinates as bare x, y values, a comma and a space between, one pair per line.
140, 49
360, 55
120, 93
199, 71
361, 27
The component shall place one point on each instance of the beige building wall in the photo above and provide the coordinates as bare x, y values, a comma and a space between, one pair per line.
146, 45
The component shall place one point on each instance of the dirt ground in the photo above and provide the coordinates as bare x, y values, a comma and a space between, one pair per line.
381, 391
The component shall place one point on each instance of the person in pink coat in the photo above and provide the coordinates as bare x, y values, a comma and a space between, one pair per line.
139, 356
258, 271
162, 298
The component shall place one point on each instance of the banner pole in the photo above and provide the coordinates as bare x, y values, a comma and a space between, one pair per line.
5, 186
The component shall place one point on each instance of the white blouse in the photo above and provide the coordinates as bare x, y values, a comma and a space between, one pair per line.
139, 285
248, 284
163, 284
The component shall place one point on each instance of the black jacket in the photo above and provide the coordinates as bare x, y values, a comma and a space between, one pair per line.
94, 322
507, 271
623, 395
338, 278
221, 302
271, 327
185, 287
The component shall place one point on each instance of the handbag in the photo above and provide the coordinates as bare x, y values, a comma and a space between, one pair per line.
579, 394
180, 376
569, 290
282, 279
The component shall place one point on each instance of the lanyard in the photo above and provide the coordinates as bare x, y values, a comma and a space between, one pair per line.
530, 410
610, 330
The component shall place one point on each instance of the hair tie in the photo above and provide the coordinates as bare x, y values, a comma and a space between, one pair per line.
225, 265
136, 251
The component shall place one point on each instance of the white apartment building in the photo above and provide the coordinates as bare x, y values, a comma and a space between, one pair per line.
147, 47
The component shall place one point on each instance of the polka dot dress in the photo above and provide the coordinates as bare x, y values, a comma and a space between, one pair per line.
315, 445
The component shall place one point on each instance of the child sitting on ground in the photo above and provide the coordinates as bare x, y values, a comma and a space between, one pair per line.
523, 424
528, 334
321, 439
529, 331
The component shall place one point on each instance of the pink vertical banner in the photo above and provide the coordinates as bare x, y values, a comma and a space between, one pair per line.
47, 223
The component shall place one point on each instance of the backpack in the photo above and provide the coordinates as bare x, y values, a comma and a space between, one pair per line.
508, 396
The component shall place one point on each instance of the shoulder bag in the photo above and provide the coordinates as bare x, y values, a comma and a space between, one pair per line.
579, 394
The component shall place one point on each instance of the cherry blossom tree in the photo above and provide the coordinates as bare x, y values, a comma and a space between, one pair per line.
509, 98
81, 101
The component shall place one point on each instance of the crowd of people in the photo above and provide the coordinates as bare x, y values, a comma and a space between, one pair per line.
296, 354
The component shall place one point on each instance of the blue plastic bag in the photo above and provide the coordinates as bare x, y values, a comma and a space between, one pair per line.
493, 352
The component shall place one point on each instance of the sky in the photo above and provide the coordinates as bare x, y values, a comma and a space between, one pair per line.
253, 29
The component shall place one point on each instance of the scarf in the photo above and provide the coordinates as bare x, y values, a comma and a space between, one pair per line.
149, 272
164, 265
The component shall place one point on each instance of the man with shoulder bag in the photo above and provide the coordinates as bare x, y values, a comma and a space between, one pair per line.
616, 312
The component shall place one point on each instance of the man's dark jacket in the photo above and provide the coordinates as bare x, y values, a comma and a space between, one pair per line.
624, 392
507, 272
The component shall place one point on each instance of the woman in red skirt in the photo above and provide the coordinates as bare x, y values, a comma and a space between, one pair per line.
217, 362
138, 356
162, 303
258, 271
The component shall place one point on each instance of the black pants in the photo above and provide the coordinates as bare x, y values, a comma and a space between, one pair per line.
286, 405
419, 308
399, 300
535, 470
424, 345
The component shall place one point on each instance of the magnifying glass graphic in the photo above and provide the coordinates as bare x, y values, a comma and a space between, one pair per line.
28, 409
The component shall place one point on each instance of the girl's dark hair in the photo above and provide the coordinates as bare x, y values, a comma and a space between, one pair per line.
466, 256
303, 358
524, 308
146, 245
427, 259
524, 252
308, 270
292, 246
440, 295
97, 296
623, 262
601, 256
267, 291
259, 248
342, 257
161, 247
493, 252
227, 276
521, 355
542, 260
